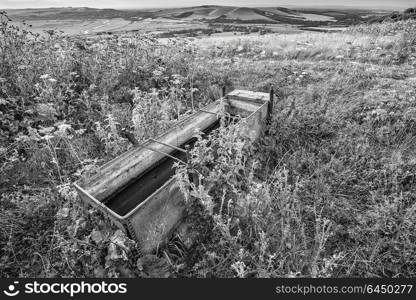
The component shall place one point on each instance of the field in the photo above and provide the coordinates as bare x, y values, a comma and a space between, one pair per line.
328, 191
89, 21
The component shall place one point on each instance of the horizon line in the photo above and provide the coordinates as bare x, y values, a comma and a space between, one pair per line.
379, 7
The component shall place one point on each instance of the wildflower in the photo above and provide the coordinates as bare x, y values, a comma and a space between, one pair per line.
63, 212
47, 137
176, 79
64, 130
64, 127
157, 73
379, 112
80, 131
46, 130
240, 268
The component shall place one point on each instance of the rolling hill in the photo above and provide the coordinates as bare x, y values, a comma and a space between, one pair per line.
234, 14
207, 13
85, 20
64, 13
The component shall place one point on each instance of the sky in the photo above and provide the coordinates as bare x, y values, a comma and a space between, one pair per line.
397, 4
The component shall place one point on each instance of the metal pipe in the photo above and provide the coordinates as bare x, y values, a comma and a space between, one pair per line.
164, 153
254, 112
209, 112
226, 114
167, 145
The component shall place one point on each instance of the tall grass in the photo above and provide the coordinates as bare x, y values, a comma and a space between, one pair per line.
327, 191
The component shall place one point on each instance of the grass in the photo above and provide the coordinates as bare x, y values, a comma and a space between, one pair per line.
328, 191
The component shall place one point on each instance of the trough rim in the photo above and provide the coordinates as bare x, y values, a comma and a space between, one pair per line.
112, 212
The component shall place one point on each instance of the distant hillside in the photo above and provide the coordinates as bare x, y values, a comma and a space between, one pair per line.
206, 13
232, 14
409, 13
64, 13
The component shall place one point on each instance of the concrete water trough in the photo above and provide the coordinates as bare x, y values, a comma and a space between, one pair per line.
136, 189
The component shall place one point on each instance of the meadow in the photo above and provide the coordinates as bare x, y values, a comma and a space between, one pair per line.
186, 20
328, 191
